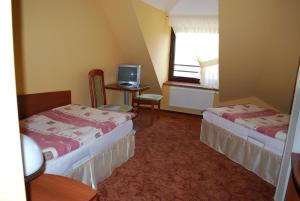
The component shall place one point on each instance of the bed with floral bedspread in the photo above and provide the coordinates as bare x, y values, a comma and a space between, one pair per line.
248, 134
65, 133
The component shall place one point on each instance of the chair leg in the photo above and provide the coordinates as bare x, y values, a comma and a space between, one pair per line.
152, 106
158, 109
138, 104
152, 116
158, 105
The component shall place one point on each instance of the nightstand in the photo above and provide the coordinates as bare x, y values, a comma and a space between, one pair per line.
293, 189
58, 188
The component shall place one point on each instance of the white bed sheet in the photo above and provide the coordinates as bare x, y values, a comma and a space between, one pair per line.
63, 165
271, 144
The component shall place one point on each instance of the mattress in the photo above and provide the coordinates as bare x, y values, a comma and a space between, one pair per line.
62, 130
271, 144
65, 164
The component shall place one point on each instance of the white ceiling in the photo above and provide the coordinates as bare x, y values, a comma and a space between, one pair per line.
186, 7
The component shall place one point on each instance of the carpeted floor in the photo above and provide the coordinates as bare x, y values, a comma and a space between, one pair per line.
171, 163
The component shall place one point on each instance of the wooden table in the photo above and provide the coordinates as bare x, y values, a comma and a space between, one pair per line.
127, 89
49, 187
293, 190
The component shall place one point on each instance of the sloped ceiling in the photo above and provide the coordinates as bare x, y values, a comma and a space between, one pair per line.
125, 27
154, 25
165, 5
186, 7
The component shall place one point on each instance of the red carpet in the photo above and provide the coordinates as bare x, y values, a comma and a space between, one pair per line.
171, 163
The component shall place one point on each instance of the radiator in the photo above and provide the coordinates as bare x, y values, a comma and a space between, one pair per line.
191, 98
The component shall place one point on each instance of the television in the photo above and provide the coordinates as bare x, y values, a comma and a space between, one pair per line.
129, 75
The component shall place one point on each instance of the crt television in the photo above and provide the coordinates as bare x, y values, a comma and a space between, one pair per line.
129, 75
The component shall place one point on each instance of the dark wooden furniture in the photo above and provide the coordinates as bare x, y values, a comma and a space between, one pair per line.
98, 95
147, 100
97, 89
127, 90
49, 187
293, 190
30, 104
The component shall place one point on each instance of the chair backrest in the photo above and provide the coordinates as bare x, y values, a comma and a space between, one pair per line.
97, 89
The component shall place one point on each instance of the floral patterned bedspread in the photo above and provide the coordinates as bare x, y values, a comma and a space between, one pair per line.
64, 129
265, 121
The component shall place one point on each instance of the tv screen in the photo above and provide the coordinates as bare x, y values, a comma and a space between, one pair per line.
129, 74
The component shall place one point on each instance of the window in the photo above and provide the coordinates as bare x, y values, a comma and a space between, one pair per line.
194, 57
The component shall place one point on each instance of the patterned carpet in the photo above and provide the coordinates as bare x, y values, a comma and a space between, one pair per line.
170, 163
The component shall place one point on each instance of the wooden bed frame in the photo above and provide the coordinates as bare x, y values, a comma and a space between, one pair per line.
30, 104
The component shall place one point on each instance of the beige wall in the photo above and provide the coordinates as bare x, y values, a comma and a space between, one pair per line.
157, 34
126, 30
58, 42
252, 100
241, 48
259, 50
277, 78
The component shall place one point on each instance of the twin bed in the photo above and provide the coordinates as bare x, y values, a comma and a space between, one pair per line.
249, 135
87, 144
77, 141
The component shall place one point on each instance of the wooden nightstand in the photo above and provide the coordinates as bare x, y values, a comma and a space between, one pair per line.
293, 189
49, 187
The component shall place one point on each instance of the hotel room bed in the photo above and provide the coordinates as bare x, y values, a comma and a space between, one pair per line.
236, 136
89, 158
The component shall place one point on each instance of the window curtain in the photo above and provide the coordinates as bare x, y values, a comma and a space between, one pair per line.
209, 73
195, 24
203, 30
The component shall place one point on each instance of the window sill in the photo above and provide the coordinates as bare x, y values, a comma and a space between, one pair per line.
188, 85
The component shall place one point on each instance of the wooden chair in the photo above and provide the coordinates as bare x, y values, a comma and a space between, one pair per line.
97, 93
147, 99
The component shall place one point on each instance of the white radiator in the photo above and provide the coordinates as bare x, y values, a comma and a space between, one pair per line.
191, 98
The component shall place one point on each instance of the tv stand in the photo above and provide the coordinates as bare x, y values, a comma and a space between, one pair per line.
126, 84
127, 90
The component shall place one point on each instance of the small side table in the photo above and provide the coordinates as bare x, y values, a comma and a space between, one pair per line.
126, 90
49, 187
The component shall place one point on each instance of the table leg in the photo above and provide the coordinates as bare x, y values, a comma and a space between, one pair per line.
126, 97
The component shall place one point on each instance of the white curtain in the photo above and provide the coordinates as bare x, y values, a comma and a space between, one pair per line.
202, 35
209, 73
195, 24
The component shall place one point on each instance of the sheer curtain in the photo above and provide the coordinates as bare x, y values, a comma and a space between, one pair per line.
195, 24
202, 35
